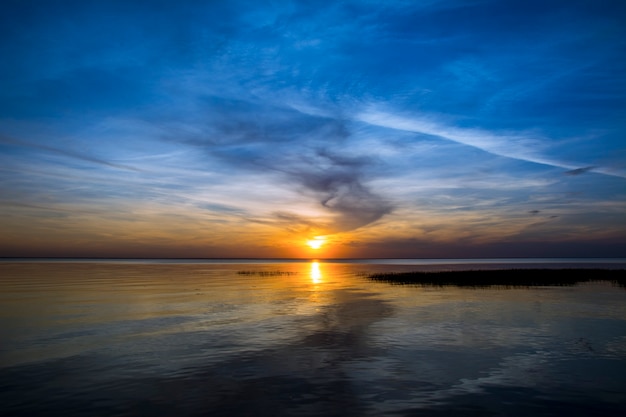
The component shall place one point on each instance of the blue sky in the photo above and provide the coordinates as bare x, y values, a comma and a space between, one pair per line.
435, 128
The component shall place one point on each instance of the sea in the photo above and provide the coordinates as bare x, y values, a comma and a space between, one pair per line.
284, 337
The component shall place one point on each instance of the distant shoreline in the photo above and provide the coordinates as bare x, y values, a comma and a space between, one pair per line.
398, 261
514, 277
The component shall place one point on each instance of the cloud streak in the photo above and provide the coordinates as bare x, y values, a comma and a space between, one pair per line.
521, 147
66, 153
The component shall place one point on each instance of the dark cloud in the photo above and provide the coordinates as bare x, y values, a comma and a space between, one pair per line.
579, 171
337, 181
295, 148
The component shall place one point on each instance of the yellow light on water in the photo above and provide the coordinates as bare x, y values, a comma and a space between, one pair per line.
316, 274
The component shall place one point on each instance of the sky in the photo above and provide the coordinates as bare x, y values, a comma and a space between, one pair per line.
402, 129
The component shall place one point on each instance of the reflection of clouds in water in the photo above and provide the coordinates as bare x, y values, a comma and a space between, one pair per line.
545, 372
454, 354
316, 366
570, 363
308, 374
518, 370
617, 347
444, 330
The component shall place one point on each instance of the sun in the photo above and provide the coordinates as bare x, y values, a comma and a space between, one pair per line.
316, 242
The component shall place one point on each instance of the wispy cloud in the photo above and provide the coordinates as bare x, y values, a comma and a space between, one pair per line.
524, 147
69, 153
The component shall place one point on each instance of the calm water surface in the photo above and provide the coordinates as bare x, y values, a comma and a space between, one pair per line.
292, 338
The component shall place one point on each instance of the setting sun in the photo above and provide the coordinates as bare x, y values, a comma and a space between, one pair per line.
316, 242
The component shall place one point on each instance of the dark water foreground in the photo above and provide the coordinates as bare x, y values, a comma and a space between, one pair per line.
302, 339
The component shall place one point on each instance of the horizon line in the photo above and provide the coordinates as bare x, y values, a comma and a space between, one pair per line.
303, 258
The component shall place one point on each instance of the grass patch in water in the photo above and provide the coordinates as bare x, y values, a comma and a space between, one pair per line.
504, 277
267, 273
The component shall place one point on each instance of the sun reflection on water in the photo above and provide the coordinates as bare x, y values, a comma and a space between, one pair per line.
316, 274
